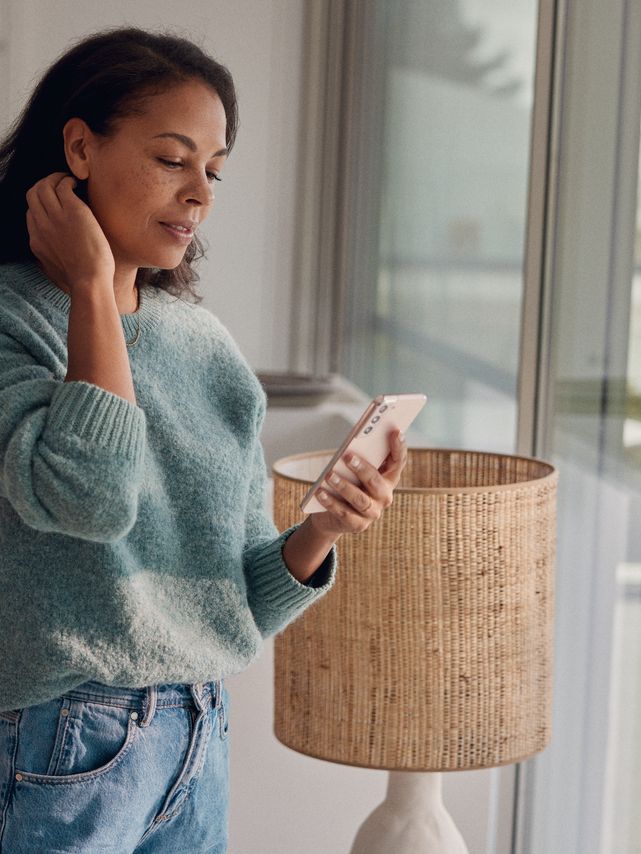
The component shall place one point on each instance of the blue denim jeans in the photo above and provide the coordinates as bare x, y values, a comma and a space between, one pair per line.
117, 770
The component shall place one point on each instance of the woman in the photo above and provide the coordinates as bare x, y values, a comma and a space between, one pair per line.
138, 565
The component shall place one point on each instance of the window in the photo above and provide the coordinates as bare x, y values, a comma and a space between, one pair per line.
441, 213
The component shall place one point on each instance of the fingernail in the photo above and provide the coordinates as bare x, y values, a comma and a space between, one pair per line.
335, 479
401, 437
355, 462
322, 495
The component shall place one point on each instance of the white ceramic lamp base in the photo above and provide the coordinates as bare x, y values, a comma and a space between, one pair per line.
411, 820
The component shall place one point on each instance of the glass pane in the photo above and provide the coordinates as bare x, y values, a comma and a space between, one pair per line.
622, 817
587, 785
440, 312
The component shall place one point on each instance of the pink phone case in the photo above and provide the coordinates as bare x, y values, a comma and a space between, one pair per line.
369, 439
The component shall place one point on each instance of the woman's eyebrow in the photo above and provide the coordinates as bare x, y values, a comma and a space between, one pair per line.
188, 141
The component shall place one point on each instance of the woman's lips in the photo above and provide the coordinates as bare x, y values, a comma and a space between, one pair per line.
178, 232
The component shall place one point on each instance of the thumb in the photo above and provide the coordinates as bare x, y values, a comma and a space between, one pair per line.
64, 189
74, 191
67, 183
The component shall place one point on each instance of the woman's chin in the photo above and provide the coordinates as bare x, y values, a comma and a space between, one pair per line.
162, 261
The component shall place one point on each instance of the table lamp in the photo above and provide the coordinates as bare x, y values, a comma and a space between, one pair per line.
433, 651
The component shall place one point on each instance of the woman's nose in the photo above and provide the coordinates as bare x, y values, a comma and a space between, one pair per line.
200, 191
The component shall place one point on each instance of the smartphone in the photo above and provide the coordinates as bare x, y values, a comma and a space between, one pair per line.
369, 438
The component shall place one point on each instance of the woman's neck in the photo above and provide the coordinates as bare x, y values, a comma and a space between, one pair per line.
125, 290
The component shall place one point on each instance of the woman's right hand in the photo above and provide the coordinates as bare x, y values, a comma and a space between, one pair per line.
65, 236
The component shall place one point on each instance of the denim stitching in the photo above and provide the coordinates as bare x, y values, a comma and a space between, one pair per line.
60, 739
12, 782
122, 702
84, 776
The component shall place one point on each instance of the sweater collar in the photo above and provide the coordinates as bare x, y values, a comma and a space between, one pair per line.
151, 299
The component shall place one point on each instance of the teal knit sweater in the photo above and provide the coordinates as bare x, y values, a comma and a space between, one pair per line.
135, 543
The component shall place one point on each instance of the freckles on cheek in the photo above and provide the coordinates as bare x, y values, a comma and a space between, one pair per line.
150, 186
129, 181
144, 179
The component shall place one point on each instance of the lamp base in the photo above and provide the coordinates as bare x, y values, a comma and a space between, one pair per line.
411, 820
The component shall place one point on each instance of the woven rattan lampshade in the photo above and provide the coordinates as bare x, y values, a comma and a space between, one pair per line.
433, 650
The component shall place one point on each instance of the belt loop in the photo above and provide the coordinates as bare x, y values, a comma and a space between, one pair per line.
149, 705
197, 692
219, 693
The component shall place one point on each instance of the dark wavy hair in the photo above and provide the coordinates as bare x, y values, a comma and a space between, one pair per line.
101, 79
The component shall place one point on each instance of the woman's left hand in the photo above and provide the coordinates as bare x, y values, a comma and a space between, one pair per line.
357, 506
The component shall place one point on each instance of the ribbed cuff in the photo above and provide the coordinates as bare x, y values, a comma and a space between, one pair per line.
321, 575
98, 417
273, 583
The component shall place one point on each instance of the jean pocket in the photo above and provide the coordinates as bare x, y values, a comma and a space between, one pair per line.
71, 741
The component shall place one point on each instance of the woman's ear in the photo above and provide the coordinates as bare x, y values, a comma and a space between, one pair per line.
77, 137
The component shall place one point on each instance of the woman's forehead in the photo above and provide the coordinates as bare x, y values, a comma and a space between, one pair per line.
192, 114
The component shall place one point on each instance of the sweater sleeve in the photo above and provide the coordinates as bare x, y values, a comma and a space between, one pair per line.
275, 597
71, 453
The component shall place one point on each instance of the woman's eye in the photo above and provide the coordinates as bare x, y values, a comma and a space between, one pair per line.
211, 176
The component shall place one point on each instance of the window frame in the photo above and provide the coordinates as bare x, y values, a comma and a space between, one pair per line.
333, 219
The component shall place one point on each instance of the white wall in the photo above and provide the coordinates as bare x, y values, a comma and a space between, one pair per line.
247, 279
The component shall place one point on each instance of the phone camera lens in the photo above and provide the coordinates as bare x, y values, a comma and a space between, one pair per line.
375, 419
383, 408
368, 429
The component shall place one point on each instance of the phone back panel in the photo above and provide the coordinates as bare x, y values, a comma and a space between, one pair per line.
369, 439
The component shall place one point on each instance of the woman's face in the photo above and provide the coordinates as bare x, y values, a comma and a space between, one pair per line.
156, 173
